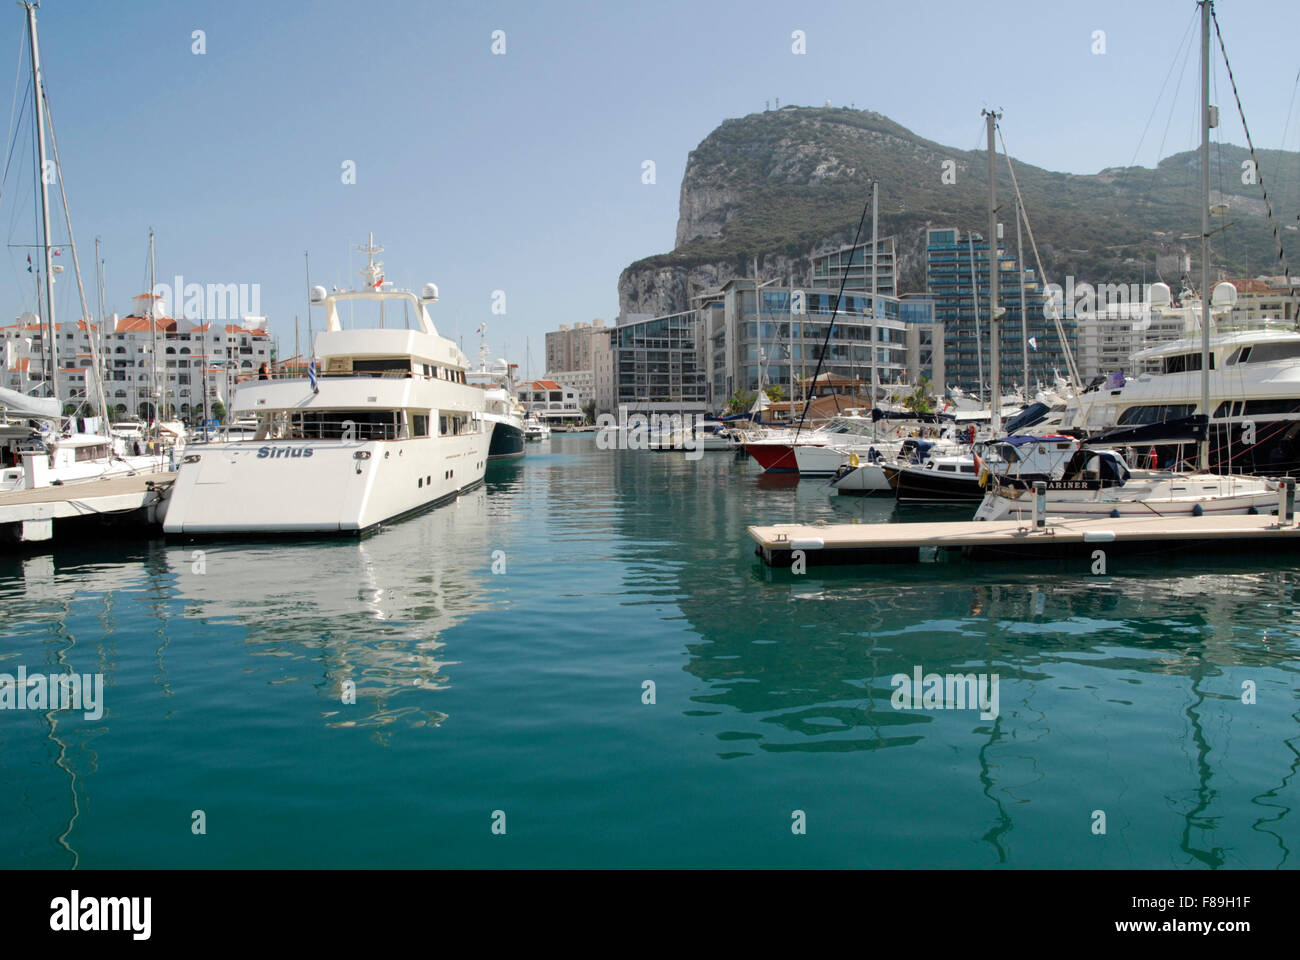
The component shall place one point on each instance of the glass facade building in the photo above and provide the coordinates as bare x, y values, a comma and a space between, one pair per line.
778, 338
954, 287
657, 364
852, 266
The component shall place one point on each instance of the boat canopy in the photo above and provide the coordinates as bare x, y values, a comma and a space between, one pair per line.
1032, 414
878, 414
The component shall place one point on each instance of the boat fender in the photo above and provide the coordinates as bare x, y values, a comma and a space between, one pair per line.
853, 460
809, 543
1253, 511
1114, 512
1197, 510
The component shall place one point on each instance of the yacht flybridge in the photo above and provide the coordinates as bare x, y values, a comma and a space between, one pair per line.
388, 426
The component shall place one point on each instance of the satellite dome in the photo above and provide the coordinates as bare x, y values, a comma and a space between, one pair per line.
1159, 295
318, 294
430, 292
1223, 295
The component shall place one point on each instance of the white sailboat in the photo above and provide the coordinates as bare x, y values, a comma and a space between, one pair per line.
390, 426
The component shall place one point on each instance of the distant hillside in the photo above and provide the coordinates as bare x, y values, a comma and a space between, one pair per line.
779, 183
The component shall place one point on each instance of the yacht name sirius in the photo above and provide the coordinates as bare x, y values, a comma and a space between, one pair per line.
387, 428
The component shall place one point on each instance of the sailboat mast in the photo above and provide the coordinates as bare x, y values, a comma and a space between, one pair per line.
153, 327
875, 314
1024, 317
975, 304
99, 315
995, 370
38, 95
1205, 230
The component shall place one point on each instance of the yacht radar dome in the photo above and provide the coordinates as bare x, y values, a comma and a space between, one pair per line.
1159, 295
430, 293
1223, 295
318, 294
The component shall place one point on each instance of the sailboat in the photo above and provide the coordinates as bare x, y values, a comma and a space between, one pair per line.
38, 446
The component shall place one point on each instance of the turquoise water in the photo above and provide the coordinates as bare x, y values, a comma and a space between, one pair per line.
521, 691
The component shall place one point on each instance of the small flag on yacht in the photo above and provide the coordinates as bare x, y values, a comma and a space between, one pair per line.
1033, 342
311, 375
379, 283
981, 471
1115, 380
29, 263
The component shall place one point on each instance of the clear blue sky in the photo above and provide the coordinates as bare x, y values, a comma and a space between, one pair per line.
522, 172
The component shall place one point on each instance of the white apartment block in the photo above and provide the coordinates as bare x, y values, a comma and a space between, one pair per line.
168, 365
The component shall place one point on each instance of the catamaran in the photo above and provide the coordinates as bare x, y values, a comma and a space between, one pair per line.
388, 427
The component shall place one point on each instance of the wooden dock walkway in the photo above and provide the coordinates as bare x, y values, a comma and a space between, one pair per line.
851, 543
29, 515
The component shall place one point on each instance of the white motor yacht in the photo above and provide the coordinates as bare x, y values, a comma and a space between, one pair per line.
388, 427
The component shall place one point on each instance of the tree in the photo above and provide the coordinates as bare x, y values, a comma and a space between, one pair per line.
741, 401
589, 411
219, 411
920, 401
776, 393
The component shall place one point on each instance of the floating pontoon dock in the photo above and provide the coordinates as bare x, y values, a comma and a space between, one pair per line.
848, 543
28, 516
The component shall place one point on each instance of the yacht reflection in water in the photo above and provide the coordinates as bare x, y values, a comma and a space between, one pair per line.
371, 614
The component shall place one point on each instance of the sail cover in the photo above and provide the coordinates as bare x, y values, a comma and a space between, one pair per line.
21, 405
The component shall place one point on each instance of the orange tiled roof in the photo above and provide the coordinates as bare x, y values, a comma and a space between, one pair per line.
133, 323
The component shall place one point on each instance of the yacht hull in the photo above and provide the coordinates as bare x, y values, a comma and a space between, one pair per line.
918, 485
507, 440
274, 487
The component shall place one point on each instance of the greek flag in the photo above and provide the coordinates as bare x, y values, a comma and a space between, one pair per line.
311, 375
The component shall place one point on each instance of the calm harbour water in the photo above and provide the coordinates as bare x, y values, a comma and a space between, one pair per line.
521, 692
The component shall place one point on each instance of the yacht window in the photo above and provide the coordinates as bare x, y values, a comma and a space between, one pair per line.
1154, 413
1267, 352
967, 468
1184, 362
398, 365
1283, 405
420, 425
948, 467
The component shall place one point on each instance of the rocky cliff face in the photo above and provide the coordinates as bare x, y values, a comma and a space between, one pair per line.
788, 184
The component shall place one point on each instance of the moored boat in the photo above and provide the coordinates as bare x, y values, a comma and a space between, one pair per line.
387, 428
